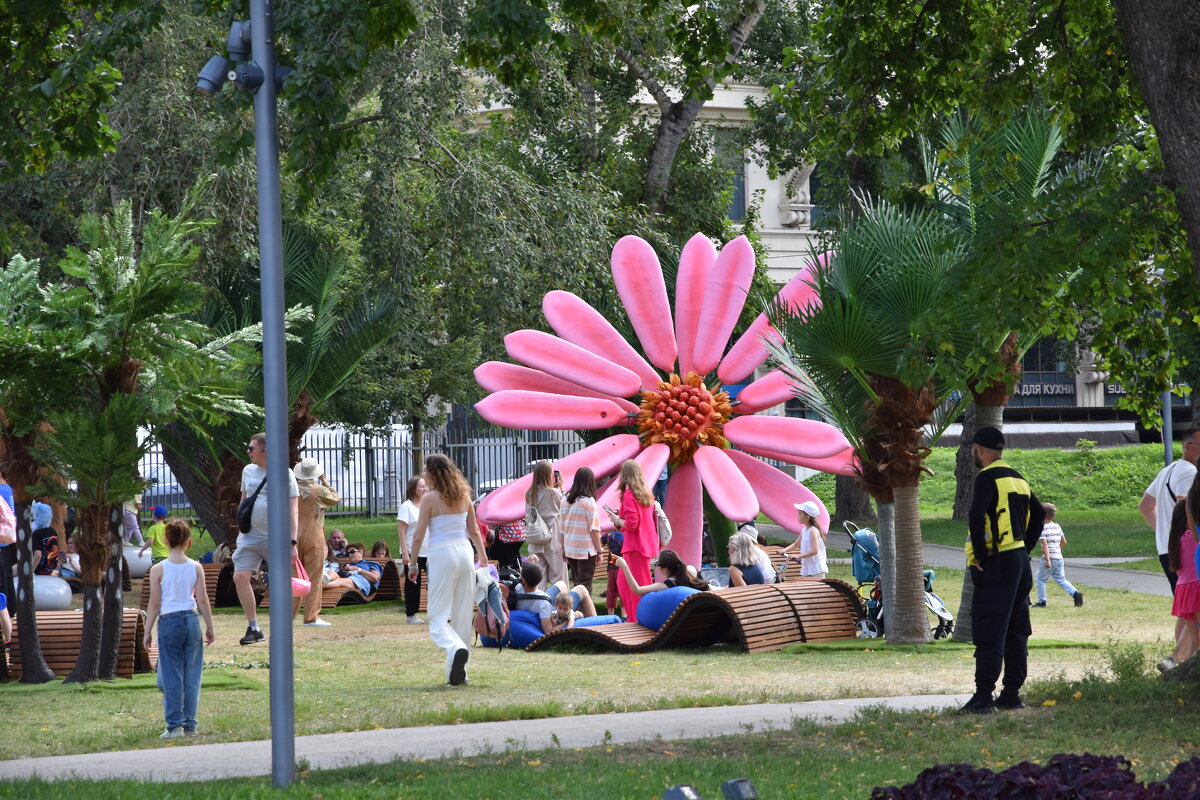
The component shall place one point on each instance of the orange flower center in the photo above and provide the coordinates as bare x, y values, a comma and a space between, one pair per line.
684, 414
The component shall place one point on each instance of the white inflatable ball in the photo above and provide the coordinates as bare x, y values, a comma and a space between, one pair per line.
138, 567
51, 593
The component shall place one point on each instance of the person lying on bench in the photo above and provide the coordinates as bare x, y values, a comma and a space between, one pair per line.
542, 603
668, 570
358, 574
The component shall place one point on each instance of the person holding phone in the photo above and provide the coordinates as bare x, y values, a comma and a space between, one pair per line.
636, 522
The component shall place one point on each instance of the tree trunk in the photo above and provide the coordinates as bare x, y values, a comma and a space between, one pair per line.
984, 416
33, 663
92, 542
418, 448
851, 502
673, 126
909, 623
964, 467
1163, 40
198, 483
887, 559
114, 600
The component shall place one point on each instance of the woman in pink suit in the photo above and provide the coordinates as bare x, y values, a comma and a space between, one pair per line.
636, 521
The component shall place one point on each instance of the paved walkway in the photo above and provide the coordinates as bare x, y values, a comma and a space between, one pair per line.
327, 751
1082, 571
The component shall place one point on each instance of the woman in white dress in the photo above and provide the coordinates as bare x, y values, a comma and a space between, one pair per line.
448, 518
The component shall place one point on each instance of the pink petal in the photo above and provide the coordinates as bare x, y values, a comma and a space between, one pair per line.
770, 390
506, 503
724, 297
844, 463
604, 457
515, 408
577, 322
685, 509
571, 362
748, 353
695, 266
801, 438
496, 376
638, 277
727, 487
777, 492
652, 460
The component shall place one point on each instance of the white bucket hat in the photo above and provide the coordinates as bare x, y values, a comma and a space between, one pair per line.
309, 469
809, 507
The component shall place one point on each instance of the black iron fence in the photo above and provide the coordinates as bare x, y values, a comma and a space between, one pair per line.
371, 472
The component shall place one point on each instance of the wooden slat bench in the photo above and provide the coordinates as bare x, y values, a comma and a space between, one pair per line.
388, 588
59, 633
212, 573
757, 618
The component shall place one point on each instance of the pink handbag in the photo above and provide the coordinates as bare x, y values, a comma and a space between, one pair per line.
301, 585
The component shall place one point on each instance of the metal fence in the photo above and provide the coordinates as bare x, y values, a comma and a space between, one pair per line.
370, 472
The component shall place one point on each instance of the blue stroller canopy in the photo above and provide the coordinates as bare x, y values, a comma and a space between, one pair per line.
864, 555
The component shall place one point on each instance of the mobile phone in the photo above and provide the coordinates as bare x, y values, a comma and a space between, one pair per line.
609, 509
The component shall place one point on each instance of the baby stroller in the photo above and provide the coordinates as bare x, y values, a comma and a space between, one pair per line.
864, 563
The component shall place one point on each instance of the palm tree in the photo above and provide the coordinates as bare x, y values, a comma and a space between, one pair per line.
125, 356
981, 182
881, 357
330, 332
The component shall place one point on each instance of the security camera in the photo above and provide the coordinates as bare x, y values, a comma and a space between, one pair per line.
213, 76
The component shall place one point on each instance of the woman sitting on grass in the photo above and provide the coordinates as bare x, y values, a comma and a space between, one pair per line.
669, 571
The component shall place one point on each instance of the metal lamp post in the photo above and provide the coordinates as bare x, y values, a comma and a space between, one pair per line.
259, 76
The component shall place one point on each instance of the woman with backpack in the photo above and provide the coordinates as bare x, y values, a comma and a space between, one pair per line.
448, 517
635, 521
546, 501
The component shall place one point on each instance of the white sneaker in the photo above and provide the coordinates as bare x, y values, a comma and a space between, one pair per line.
172, 733
1167, 664
415, 620
318, 623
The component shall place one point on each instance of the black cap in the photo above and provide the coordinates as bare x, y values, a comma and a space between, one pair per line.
988, 437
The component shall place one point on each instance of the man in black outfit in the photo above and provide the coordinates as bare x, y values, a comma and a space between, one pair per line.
1005, 522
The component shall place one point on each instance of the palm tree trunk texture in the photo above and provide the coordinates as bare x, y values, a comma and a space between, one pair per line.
909, 623
851, 501
92, 543
33, 664
964, 467
110, 629
984, 416
887, 559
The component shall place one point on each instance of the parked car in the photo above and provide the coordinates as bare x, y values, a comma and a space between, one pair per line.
164, 491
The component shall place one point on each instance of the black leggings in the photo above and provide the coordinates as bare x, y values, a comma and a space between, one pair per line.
412, 589
1172, 575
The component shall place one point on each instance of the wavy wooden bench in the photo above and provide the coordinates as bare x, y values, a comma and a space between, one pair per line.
59, 633
757, 618
212, 574
388, 589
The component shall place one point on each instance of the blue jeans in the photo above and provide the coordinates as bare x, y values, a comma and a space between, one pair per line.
1058, 571
180, 659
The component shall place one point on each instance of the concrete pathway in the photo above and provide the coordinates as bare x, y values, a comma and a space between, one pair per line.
1081, 571
327, 751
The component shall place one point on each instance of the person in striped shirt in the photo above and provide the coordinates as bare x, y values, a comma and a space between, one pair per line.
1052, 565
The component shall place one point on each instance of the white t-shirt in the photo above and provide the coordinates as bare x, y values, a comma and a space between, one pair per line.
1180, 476
764, 563
252, 476
408, 513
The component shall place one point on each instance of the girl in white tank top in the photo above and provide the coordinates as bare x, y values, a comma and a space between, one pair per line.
177, 591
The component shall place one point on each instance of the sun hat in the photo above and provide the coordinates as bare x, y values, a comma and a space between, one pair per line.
309, 469
809, 507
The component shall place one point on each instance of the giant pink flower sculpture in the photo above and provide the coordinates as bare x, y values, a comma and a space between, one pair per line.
590, 377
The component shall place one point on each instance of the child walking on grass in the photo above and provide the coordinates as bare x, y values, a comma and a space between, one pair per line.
173, 604
1052, 565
